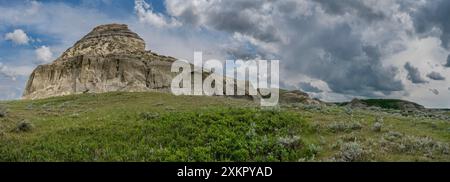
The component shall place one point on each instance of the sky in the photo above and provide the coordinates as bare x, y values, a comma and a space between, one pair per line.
334, 50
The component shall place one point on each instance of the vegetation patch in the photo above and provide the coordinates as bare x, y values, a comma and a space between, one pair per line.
120, 126
336, 127
352, 152
3, 111
23, 126
397, 142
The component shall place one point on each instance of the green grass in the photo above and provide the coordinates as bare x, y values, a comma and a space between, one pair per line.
161, 127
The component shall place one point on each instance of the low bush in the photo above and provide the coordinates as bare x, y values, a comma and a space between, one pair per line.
344, 127
3, 111
377, 125
149, 116
23, 126
291, 142
395, 142
351, 152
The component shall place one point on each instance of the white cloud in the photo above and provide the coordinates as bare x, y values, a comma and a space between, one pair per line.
18, 36
12, 80
44, 54
14, 71
34, 8
145, 14
5, 71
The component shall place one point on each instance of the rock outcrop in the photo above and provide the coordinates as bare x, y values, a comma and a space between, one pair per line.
109, 58
297, 96
106, 40
357, 103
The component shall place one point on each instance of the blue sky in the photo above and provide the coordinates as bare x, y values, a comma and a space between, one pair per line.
335, 50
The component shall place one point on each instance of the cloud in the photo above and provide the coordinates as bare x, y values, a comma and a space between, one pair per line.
11, 88
414, 74
146, 14
308, 37
252, 19
358, 8
434, 91
308, 87
435, 76
18, 36
448, 61
6, 72
12, 72
44, 54
431, 16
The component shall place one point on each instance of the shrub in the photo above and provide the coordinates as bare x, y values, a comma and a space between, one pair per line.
377, 127
313, 150
378, 124
3, 111
291, 142
426, 145
379, 120
149, 115
396, 142
24, 126
29, 106
344, 127
348, 111
351, 152
355, 126
392, 135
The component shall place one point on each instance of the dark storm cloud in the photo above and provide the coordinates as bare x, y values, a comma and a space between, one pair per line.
350, 6
237, 16
307, 87
448, 61
414, 74
435, 76
317, 45
434, 14
339, 57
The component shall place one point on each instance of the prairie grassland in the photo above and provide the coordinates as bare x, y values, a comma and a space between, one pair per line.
121, 126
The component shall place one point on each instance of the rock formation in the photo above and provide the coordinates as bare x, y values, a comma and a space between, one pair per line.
357, 103
109, 58
297, 96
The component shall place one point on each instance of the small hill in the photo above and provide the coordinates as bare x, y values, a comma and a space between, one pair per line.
385, 103
297, 96
393, 104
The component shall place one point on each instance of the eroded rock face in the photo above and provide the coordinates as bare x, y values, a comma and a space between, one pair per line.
297, 96
110, 58
107, 39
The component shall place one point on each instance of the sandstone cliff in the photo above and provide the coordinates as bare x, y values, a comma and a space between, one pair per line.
109, 58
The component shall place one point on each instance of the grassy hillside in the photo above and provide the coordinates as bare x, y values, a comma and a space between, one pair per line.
162, 127
389, 103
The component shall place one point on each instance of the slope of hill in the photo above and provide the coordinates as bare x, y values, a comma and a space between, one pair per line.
152, 126
387, 104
